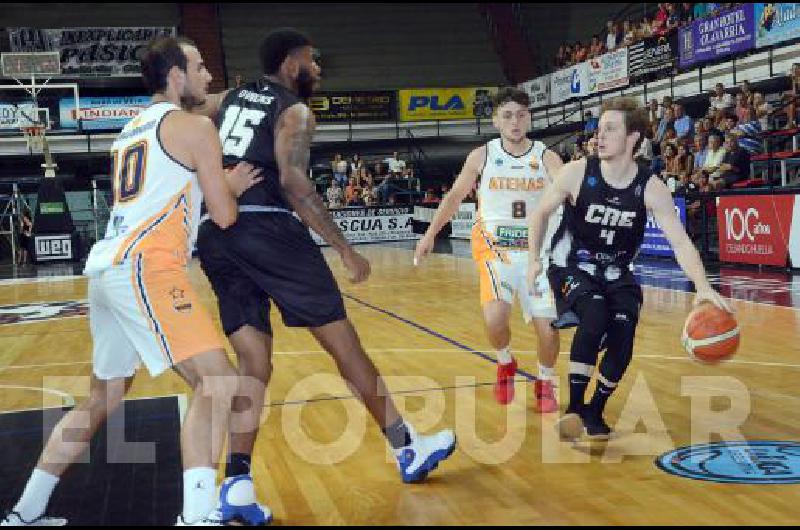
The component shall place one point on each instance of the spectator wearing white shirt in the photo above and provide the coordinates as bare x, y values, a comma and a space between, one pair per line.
763, 110
339, 168
721, 100
612, 37
396, 165
335, 195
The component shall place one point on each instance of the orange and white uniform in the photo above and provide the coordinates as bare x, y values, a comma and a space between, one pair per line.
142, 307
510, 188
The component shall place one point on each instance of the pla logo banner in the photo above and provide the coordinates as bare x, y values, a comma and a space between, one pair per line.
776, 23
423, 104
101, 113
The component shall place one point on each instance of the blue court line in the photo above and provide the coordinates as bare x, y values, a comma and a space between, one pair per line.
429, 331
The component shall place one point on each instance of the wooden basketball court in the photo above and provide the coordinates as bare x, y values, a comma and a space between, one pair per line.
321, 460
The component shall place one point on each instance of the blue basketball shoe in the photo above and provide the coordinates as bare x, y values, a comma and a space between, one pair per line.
238, 504
424, 454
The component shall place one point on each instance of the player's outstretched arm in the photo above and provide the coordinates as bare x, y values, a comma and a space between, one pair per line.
450, 202
293, 134
566, 183
659, 200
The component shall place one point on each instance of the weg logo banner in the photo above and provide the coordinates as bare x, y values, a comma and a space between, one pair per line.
446, 103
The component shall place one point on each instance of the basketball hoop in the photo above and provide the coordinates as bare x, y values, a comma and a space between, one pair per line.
34, 136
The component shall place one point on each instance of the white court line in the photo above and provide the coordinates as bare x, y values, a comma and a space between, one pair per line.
182, 401
44, 279
68, 400
450, 350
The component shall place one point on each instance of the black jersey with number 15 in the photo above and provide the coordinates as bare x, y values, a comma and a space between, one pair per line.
246, 122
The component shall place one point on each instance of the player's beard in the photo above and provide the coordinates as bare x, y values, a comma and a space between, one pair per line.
305, 83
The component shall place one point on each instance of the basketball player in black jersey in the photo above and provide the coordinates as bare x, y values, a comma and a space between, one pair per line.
269, 255
606, 200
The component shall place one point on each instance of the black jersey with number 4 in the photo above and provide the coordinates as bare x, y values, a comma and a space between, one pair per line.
606, 225
246, 122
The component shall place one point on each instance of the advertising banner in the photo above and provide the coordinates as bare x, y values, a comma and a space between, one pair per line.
655, 242
609, 71
572, 82
463, 221
755, 229
776, 23
539, 91
333, 107
714, 37
369, 225
422, 104
97, 51
101, 113
652, 56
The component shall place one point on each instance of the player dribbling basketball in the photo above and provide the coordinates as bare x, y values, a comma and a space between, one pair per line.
606, 200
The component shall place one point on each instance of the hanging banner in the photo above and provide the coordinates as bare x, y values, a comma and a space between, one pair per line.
655, 242
755, 229
538, 90
608, 71
422, 104
572, 82
10, 114
652, 56
714, 37
369, 225
88, 52
332, 107
101, 113
776, 23
463, 221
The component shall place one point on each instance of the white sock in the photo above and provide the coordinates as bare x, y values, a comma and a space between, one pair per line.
33, 502
547, 374
199, 493
504, 356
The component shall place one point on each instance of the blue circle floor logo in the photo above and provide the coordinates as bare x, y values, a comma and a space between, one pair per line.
754, 462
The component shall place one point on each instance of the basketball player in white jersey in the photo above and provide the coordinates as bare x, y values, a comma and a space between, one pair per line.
512, 172
142, 308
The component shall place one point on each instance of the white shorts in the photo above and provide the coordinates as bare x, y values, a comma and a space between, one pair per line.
503, 281
144, 311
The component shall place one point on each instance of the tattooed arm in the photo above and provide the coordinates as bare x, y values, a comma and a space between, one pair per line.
293, 134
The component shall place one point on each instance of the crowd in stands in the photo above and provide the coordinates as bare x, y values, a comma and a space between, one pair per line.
620, 33
356, 182
712, 151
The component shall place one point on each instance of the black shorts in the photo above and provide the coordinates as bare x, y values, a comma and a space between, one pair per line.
570, 284
263, 257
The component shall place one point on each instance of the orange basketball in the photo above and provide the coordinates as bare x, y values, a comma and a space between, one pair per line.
711, 334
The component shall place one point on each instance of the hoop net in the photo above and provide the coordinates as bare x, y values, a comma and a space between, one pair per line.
34, 136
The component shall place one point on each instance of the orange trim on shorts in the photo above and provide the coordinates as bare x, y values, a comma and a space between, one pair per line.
168, 230
489, 282
181, 325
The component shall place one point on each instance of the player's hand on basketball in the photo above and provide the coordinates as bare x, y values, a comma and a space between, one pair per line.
243, 177
534, 271
710, 295
357, 265
424, 247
